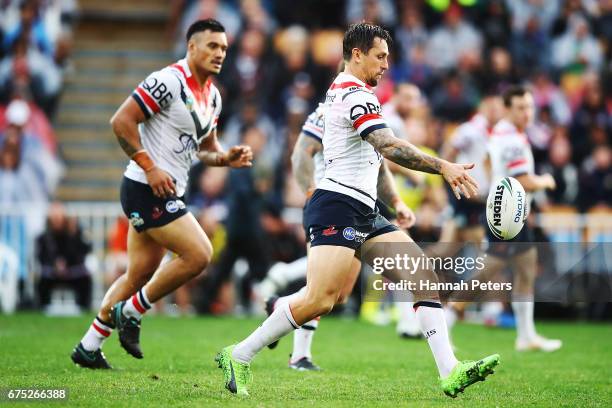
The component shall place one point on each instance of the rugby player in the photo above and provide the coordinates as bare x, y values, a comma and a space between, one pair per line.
510, 155
355, 142
469, 144
308, 169
168, 122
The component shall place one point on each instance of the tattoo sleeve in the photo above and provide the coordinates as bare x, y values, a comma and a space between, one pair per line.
386, 185
302, 161
126, 146
402, 152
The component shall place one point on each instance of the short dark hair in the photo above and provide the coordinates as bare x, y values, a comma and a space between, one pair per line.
362, 35
511, 92
203, 25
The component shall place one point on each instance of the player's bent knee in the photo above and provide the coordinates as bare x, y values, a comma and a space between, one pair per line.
198, 261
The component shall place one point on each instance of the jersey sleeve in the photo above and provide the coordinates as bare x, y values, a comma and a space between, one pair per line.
461, 139
314, 125
517, 159
363, 112
156, 92
217, 105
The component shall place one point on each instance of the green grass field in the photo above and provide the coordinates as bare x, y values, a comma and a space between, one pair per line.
363, 366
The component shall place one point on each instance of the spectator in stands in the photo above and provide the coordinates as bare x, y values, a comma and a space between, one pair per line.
591, 119
246, 190
455, 42
456, 100
28, 172
531, 21
498, 73
61, 251
564, 172
255, 16
381, 12
495, 24
30, 26
411, 32
246, 75
30, 74
577, 50
596, 179
546, 93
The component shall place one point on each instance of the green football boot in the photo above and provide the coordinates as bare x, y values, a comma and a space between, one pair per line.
237, 375
467, 373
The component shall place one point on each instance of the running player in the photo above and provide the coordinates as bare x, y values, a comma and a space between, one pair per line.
308, 168
510, 156
168, 122
355, 141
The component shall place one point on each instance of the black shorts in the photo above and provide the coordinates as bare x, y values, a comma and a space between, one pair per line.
384, 210
144, 209
517, 245
468, 213
336, 219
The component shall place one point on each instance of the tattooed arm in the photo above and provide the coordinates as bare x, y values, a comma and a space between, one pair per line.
302, 161
407, 155
125, 126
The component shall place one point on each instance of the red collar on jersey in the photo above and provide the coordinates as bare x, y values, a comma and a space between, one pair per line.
349, 84
201, 93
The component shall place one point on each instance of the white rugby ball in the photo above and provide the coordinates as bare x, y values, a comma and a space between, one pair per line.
506, 208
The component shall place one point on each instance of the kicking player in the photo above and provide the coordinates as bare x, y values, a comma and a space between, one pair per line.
168, 122
308, 168
355, 141
510, 155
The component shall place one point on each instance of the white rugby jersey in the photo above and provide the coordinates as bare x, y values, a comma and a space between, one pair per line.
179, 116
471, 139
313, 127
351, 163
510, 152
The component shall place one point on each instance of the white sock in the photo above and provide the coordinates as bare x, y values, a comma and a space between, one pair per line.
137, 305
433, 325
450, 315
302, 340
96, 334
296, 269
407, 323
522, 305
289, 298
273, 328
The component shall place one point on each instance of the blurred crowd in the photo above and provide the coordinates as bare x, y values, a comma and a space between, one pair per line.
35, 44
35, 39
446, 56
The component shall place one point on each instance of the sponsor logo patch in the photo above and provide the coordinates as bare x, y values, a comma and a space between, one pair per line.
136, 220
349, 233
330, 231
156, 213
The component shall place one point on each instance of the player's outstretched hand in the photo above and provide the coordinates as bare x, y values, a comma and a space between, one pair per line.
161, 182
240, 156
459, 179
405, 216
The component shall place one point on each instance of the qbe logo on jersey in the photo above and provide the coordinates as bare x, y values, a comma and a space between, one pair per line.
506, 208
